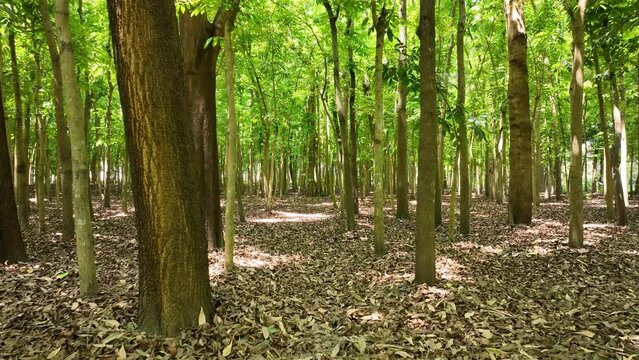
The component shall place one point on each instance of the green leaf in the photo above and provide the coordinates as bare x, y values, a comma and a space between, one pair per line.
61, 275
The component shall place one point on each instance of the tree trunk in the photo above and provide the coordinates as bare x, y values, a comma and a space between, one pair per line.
81, 203
106, 197
576, 232
464, 180
380, 22
618, 153
11, 246
453, 194
402, 146
125, 183
607, 169
174, 283
21, 162
41, 154
347, 185
427, 163
520, 177
62, 135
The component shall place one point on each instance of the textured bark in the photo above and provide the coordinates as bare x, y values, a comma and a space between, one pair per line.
381, 23
347, 186
576, 232
402, 142
81, 204
427, 162
464, 179
201, 65
11, 246
353, 126
232, 147
520, 177
21, 162
607, 169
172, 258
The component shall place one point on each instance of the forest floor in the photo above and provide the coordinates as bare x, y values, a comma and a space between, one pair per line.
304, 288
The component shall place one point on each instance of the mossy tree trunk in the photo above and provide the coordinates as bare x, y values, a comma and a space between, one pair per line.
172, 256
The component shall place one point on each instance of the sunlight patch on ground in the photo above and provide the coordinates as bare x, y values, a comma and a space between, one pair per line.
540, 251
252, 258
486, 249
393, 278
284, 216
324, 204
449, 269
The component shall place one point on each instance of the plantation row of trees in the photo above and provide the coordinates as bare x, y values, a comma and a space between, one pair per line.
180, 102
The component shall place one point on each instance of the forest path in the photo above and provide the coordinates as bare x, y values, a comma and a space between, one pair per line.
305, 288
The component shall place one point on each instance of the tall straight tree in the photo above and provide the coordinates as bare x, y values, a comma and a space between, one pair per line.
73, 105
427, 160
402, 142
231, 147
172, 256
520, 179
464, 180
347, 185
11, 245
577, 14
62, 133
380, 21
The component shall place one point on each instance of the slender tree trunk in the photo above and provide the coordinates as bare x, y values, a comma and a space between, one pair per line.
62, 135
426, 182
347, 186
576, 232
380, 21
12, 248
21, 162
607, 169
73, 105
106, 197
232, 147
174, 283
452, 223
618, 154
125, 183
41, 154
402, 145
464, 179
520, 177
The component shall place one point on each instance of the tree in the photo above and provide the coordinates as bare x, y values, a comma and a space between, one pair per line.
464, 181
427, 161
520, 179
172, 257
11, 245
347, 186
81, 203
232, 146
576, 232
380, 22
402, 93
62, 133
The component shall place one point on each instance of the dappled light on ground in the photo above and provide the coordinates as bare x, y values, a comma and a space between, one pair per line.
304, 286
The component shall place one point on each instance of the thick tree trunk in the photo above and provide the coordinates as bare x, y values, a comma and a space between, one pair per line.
381, 23
402, 145
21, 162
174, 283
347, 185
201, 65
81, 204
520, 177
464, 180
427, 163
62, 135
11, 246
576, 232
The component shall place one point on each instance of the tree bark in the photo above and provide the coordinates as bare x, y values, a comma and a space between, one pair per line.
380, 21
81, 203
520, 177
464, 180
607, 169
427, 162
11, 246
174, 283
106, 195
402, 145
576, 231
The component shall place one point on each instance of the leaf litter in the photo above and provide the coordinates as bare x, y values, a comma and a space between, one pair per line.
305, 288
